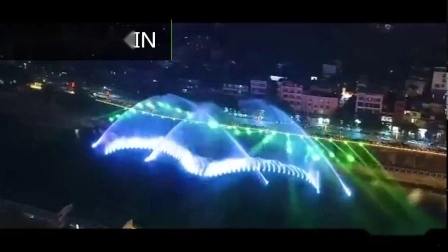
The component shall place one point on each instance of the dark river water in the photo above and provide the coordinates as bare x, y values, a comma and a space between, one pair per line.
49, 169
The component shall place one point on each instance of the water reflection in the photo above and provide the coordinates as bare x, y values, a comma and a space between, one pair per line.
109, 190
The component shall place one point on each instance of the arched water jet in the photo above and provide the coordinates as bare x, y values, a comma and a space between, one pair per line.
208, 121
203, 167
205, 110
296, 127
145, 107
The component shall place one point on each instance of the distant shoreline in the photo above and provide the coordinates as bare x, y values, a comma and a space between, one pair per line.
427, 183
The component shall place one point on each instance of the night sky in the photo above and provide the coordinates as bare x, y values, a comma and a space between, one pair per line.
358, 46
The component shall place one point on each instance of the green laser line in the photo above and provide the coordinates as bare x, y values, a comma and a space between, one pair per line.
356, 155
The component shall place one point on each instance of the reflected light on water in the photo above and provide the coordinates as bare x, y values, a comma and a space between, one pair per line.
415, 196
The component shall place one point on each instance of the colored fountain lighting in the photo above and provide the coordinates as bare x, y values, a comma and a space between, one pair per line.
201, 166
212, 124
150, 105
189, 117
315, 157
350, 158
207, 167
288, 146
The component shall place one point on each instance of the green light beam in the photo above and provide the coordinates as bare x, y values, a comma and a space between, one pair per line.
356, 154
257, 148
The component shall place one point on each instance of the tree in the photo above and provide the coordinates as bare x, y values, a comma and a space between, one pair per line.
407, 127
345, 114
371, 123
342, 117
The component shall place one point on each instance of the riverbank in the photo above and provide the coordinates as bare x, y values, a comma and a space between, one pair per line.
429, 182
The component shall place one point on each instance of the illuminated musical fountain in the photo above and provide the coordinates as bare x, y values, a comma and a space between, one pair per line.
209, 143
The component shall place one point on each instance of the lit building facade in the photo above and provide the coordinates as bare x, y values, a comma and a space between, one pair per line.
309, 103
258, 87
439, 79
319, 105
372, 103
439, 85
291, 93
235, 89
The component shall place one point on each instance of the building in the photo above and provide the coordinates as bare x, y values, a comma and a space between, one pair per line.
387, 120
235, 89
329, 70
435, 109
319, 104
310, 103
439, 79
258, 87
291, 93
415, 87
366, 102
345, 95
439, 85
324, 86
399, 108
412, 116
277, 78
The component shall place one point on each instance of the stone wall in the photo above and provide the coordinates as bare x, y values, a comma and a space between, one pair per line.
434, 163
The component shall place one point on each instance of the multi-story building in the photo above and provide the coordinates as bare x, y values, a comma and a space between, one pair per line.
258, 87
291, 93
319, 104
439, 85
309, 103
235, 89
366, 102
439, 79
